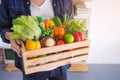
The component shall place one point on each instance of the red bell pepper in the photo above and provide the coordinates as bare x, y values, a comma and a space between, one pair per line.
78, 36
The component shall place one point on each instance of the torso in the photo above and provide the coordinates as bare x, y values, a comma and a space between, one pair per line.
45, 10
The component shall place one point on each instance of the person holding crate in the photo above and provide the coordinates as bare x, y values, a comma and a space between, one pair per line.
11, 9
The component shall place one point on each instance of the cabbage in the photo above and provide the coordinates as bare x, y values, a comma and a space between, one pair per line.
25, 27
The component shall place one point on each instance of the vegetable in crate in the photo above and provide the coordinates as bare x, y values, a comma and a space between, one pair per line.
60, 42
59, 31
48, 41
40, 22
78, 36
69, 38
57, 21
48, 32
46, 25
50, 23
32, 44
25, 27
75, 26
41, 28
64, 20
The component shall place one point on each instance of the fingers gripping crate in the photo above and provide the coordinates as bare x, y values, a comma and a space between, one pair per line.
56, 56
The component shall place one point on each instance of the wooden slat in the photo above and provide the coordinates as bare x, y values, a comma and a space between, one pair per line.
54, 64
57, 56
24, 57
57, 48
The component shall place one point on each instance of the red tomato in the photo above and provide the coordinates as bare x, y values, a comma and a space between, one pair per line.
59, 42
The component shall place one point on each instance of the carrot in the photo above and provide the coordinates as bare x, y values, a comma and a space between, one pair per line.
64, 23
46, 25
64, 20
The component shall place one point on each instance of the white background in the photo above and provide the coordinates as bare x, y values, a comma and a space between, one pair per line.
104, 32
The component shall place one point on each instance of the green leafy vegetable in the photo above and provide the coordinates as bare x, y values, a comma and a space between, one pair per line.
75, 26
25, 27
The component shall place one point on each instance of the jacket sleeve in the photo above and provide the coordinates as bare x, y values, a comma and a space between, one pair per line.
5, 20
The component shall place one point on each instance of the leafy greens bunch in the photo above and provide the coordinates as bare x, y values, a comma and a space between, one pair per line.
25, 27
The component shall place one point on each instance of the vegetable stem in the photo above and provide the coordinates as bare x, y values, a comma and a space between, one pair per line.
34, 39
65, 17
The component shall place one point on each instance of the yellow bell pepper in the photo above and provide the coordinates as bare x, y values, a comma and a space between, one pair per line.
50, 23
32, 44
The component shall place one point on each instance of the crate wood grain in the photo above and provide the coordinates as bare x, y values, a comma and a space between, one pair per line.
56, 56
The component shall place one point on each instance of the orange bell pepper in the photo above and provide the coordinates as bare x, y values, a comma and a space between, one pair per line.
59, 31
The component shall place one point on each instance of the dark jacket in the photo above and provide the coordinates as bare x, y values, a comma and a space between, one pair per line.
11, 9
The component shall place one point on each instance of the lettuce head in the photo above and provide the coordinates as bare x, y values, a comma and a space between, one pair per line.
25, 27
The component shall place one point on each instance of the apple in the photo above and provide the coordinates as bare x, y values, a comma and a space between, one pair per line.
69, 38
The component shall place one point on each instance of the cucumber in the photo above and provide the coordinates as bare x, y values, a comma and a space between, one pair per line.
57, 21
41, 28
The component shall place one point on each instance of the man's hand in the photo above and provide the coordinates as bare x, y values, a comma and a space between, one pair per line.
15, 44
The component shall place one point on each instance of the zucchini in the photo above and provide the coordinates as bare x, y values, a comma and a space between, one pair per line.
57, 21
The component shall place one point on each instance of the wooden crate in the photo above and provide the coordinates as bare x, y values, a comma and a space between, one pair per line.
56, 56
